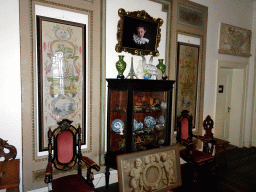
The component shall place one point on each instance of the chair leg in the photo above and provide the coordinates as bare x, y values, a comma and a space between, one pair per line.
49, 186
195, 174
107, 173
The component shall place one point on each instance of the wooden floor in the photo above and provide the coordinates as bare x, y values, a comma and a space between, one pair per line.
238, 176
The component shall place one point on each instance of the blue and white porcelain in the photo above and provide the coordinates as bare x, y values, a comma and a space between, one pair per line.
135, 125
161, 119
149, 121
117, 125
140, 125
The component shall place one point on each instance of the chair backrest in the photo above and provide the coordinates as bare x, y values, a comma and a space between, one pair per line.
12, 151
65, 138
208, 126
184, 126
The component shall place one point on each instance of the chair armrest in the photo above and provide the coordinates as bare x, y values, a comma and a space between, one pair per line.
188, 144
48, 173
203, 138
90, 163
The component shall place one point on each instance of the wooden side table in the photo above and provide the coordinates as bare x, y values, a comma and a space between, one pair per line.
221, 150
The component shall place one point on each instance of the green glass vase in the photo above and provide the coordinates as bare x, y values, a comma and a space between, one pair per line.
161, 66
120, 66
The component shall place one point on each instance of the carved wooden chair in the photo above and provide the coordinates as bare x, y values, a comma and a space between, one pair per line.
67, 153
208, 126
190, 154
9, 168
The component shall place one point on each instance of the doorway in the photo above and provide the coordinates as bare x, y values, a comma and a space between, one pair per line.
230, 102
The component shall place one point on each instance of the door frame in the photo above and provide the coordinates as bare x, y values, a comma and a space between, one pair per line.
236, 65
253, 131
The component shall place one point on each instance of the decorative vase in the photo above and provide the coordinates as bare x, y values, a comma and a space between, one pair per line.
161, 66
120, 66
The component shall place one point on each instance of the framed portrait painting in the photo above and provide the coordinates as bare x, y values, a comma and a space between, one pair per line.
138, 33
187, 78
150, 170
61, 75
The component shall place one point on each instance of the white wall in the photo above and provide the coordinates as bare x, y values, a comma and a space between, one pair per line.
234, 12
238, 13
112, 18
10, 96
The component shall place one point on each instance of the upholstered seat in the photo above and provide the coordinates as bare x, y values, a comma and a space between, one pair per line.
198, 156
72, 183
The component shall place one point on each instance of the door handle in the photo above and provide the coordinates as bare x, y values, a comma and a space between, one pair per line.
229, 109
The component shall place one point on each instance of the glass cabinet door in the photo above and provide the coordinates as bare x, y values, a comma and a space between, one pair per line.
149, 119
117, 120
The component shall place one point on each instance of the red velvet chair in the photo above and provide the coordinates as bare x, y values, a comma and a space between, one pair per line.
67, 153
190, 154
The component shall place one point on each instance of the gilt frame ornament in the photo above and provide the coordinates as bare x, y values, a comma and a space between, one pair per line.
61, 74
127, 33
150, 170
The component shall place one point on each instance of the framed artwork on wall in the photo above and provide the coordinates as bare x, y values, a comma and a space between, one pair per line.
138, 33
190, 16
150, 170
234, 40
187, 78
61, 75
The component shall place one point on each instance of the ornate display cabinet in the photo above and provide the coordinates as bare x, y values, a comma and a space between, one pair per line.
138, 117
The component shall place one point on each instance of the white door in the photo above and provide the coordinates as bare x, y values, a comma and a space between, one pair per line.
236, 113
223, 105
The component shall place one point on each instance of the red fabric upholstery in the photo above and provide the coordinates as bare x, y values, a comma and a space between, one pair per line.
88, 161
65, 146
184, 128
71, 183
198, 156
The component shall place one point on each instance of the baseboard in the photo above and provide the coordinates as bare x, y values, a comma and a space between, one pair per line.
99, 181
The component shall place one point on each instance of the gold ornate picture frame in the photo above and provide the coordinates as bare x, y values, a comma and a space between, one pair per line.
150, 170
61, 74
138, 33
234, 40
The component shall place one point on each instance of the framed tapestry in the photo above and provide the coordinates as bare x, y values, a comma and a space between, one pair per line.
234, 40
150, 170
61, 75
138, 33
187, 78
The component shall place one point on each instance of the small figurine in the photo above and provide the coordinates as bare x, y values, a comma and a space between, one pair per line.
136, 181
